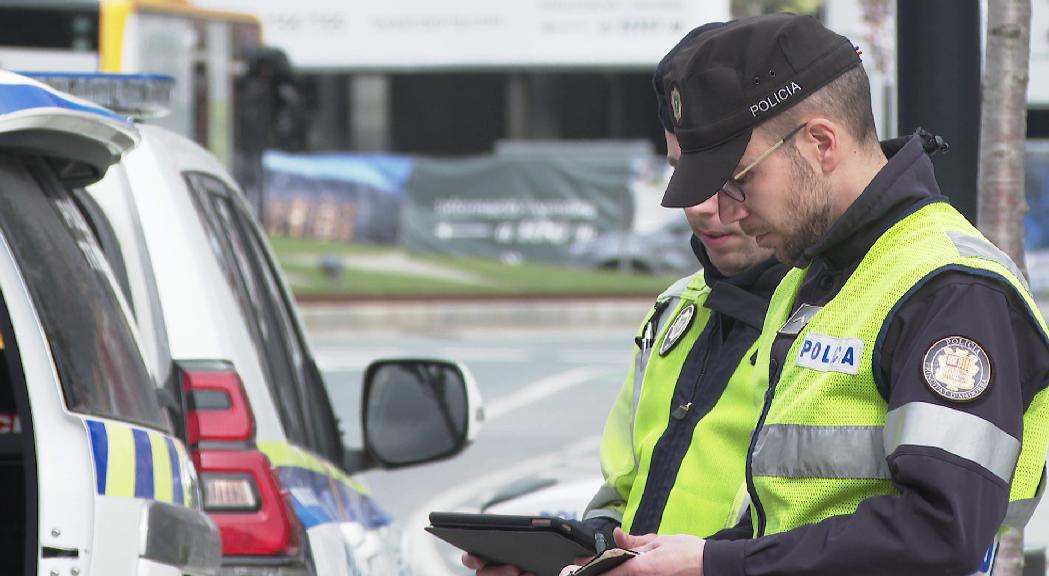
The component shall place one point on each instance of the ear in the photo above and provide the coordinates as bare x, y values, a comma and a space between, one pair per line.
824, 139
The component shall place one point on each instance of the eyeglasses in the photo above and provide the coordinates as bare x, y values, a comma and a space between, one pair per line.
733, 188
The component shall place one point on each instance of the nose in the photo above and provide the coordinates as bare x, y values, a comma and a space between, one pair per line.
730, 210
707, 208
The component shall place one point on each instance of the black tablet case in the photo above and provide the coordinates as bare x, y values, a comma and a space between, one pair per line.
535, 544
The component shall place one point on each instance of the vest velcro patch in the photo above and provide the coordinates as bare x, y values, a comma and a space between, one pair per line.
957, 369
800, 319
829, 354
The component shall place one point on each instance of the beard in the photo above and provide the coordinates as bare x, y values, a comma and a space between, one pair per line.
810, 214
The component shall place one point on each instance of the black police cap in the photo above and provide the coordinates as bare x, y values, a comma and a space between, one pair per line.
733, 78
663, 68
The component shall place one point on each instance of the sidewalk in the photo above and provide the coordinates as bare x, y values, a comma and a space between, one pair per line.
441, 315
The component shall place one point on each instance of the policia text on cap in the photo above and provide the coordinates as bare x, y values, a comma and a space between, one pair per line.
905, 421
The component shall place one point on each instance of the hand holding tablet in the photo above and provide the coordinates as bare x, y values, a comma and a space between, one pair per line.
539, 544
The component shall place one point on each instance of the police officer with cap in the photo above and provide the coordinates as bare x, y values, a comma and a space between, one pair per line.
905, 422
674, 444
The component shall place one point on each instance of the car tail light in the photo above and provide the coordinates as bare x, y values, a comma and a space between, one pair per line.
217, 408
240, 487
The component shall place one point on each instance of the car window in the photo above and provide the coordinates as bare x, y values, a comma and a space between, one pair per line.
242, 273
321, 427
96, 355
133, 266
106, 239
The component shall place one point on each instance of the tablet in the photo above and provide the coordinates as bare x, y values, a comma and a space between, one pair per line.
540, 544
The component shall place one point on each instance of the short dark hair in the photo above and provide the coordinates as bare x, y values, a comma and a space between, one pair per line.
846, 99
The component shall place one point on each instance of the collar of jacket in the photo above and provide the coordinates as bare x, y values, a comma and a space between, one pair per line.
744, 296
906, 180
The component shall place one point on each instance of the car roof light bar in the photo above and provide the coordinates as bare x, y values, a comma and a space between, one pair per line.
140, 96
20, 93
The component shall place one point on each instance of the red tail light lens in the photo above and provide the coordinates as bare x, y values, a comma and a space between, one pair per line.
218, 409
241, 489
263, 529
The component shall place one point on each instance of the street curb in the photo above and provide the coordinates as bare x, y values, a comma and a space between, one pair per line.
449, 315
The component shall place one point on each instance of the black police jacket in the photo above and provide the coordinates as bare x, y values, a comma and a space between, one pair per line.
949, 508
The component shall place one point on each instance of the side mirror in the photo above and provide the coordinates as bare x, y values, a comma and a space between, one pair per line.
417, 411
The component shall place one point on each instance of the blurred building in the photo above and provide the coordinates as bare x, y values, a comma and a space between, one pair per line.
455, 77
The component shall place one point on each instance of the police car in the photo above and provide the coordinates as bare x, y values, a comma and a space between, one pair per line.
219, 328
93, 480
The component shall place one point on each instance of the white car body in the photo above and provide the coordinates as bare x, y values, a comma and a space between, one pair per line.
105, 492
188, 310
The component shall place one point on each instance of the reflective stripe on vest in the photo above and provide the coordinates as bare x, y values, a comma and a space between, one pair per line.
959, 433
599, 505
1019, 512
974, 247
796, 451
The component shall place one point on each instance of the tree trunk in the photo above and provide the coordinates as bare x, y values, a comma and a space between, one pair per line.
1003, 125
1001, 183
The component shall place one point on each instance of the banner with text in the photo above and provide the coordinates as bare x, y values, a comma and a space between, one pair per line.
354, 34
515, 208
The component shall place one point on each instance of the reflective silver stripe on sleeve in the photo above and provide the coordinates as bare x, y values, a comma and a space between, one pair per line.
604, 513
796, 451
598, 506
1019, 513
971, 246
959, 433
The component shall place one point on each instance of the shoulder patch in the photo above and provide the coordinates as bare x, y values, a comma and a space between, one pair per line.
957, 369
677, 329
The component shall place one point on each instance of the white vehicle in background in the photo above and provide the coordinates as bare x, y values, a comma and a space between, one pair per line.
93, 480
219, 327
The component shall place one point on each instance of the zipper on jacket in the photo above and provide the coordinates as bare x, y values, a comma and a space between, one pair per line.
769, 394
682, 409
670, 449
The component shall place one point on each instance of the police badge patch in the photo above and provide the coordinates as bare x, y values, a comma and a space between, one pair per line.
677, 329
675, 103
957, 369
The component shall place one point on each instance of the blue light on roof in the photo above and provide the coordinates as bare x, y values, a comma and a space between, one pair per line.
18, 93
137, 95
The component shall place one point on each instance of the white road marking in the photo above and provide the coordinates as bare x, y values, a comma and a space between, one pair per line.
426, 557
484, 355
541, 389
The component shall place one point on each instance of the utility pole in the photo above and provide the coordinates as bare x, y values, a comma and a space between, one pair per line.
938, 70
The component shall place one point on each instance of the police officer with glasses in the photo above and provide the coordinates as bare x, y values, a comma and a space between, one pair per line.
905, 421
